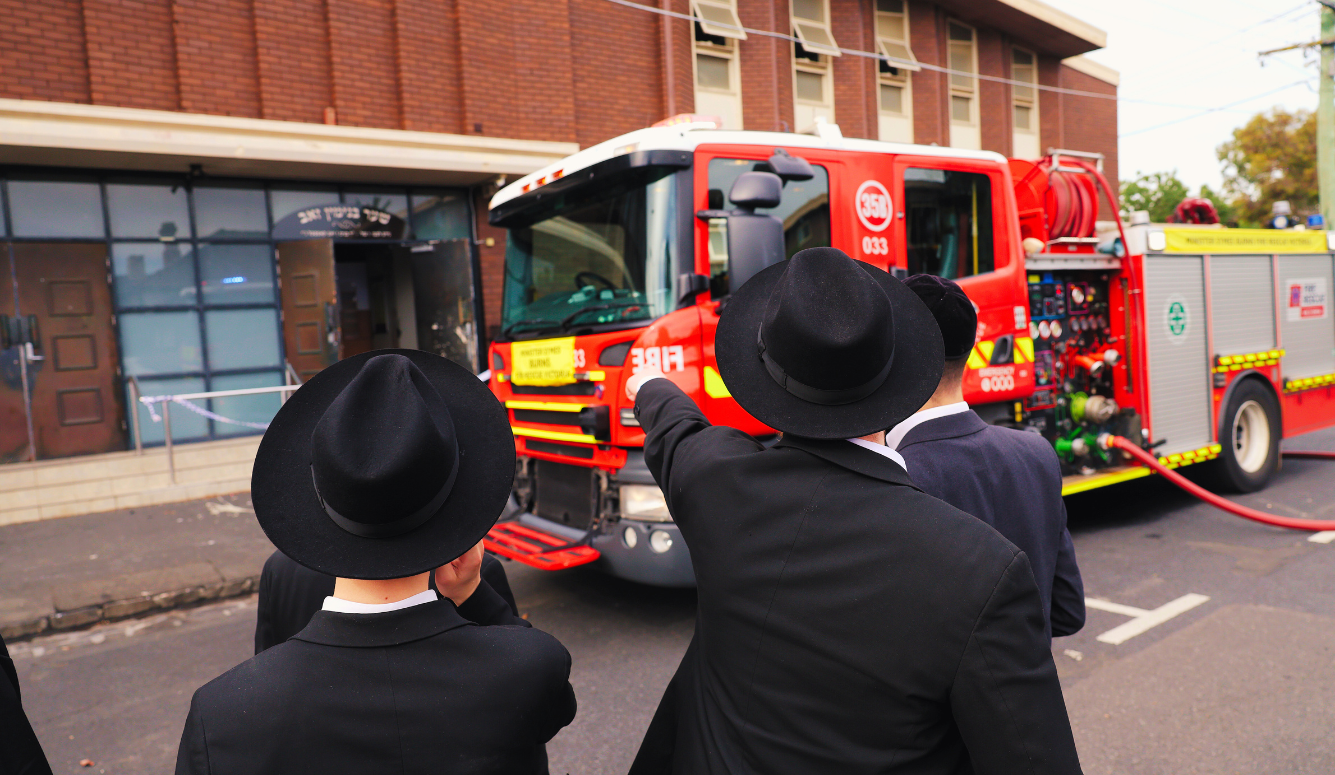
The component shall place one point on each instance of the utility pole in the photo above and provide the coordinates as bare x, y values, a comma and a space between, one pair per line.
1325, 117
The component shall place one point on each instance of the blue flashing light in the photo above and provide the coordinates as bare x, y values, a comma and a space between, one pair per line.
230, 280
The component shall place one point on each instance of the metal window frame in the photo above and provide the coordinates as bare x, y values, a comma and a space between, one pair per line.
882, 42
194, 242
970, 92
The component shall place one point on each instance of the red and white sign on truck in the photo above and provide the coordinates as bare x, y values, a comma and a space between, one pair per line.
1202, 344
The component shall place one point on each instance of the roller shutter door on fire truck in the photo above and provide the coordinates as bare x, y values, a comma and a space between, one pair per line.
1178, 362
1306, 326
1243, 319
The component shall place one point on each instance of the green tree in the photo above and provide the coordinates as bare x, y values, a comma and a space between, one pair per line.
1227, 213
1271, 158
1157, 192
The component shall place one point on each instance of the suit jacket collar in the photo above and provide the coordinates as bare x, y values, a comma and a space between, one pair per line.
949, 427
850, 456
383, 629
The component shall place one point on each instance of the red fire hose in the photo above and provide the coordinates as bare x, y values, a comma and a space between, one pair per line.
1135, 451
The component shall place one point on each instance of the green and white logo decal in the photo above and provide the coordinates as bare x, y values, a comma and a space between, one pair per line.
1176, 318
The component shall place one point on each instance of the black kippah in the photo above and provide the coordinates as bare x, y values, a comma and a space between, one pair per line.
954, 313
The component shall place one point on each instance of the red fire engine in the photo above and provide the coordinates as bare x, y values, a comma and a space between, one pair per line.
1198, 343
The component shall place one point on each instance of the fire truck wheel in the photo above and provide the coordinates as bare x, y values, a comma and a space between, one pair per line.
1249, 434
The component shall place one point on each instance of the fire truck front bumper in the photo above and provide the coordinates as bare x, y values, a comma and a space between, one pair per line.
646, 552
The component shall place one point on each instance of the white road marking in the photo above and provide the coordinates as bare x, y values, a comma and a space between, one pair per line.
1324, 537
1142, 620
1073, 654
216, 508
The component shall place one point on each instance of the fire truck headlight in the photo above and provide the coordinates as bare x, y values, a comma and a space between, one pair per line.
660, 541
644, 502
630, 537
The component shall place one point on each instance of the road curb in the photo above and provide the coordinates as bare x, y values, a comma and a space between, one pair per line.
24, 627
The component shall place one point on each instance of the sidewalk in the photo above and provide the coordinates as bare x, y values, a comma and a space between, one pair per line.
58, 574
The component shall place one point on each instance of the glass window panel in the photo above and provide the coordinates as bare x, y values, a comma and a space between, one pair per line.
897, 50
961, 59
185, 423
960, 32
1020, 57
804, 209
160, 342
242, 338
961, 109
809, 9
230, 213
810, 86
949, 222
1022, 117
41, 208
153, 274
139, 210
286, 201
890, 26
395, 202
440, 215
257, 408
712, 72
890, 6
892, 98
236, 274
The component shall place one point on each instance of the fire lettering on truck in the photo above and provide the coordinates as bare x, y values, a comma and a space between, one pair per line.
1307, 298
872, 203
664, 359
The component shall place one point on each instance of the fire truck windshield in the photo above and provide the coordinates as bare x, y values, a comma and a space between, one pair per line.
601, 254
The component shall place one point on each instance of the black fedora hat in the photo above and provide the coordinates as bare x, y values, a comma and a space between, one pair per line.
827, 347
384, 465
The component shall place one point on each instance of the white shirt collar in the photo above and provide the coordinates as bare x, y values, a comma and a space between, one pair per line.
339, 605
881, 449
896, 434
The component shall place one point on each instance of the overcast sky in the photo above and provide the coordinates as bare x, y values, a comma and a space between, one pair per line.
1193, 55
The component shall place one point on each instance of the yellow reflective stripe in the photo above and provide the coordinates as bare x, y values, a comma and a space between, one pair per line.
985, 349
976, 361
1103, 480
1024, 349
546, 406
714, 386
553, 435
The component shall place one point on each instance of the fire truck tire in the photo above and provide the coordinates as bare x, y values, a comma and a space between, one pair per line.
1249, 432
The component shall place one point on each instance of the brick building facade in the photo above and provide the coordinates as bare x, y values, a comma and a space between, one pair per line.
420, 106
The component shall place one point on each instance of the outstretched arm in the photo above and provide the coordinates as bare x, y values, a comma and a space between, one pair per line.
1006, 698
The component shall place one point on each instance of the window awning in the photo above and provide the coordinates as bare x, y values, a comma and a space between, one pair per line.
718, 18
811, 25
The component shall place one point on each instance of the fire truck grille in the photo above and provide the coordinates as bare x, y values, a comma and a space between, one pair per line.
564, 493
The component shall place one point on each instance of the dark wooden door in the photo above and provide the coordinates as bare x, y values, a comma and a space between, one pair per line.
310, 305
77, 403
13, 416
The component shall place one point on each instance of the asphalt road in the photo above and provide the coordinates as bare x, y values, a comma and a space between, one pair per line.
1242, 682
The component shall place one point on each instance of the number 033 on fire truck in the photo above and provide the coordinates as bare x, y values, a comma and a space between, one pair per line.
1199, 343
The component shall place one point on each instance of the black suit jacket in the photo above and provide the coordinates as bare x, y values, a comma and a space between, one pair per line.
847, 622
420, 690
1012, 481
290, 594
20, 753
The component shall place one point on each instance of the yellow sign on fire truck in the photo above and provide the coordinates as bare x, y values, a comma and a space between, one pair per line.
543, 361
1254, 241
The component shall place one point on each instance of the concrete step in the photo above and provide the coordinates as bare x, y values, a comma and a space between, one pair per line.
89, 484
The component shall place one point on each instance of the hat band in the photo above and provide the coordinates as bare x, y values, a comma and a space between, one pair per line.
818, 395
396, 527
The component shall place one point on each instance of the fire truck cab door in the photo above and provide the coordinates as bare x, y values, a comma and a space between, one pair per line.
958, 222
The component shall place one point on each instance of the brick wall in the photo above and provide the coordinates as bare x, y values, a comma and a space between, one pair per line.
566, 70
1090, 123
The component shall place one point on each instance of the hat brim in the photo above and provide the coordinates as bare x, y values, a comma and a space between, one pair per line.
914, 376
290, 513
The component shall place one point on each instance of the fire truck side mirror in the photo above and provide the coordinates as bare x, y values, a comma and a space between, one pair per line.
756, 189
789, 167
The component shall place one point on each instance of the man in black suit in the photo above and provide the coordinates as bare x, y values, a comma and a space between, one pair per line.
848, 623
290, 594
20, 752
384, 470
1010, 479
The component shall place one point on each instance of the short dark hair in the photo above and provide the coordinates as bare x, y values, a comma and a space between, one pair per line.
954, 313
954, 369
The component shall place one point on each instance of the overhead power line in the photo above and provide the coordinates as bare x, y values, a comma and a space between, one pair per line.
1212, 110
923, 65
1158, 66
